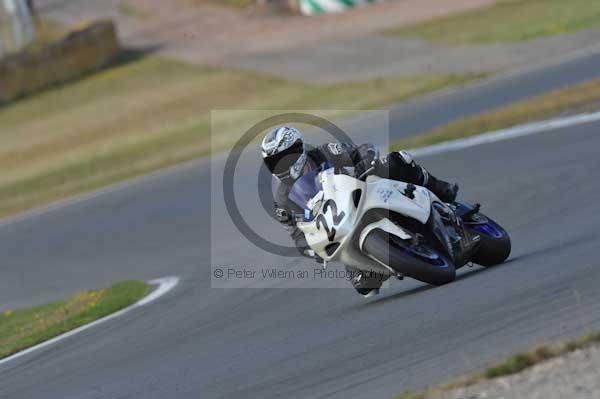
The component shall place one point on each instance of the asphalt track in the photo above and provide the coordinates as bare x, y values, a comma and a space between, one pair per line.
199, 342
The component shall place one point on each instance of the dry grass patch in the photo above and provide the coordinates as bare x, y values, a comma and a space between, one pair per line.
512, 365
147, 114
508, 21
579, 98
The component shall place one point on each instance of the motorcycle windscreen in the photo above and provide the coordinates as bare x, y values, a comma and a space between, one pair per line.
304, 189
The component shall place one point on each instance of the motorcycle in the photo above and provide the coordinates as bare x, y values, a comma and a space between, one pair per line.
393, 228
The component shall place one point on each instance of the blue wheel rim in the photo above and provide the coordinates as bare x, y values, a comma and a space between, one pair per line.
433, 258
489, 229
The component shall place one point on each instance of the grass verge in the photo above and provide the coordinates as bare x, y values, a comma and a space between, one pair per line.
508, 21
579, 98
21, 329
129, 10
512, 365
150, 113
230, 3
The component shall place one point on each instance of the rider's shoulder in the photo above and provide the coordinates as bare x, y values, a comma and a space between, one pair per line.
281, 191
336, 148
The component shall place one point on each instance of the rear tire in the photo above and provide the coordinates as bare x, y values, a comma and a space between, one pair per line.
397, 254
495, 244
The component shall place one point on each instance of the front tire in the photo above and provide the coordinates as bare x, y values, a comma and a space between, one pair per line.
423, 264
495, 245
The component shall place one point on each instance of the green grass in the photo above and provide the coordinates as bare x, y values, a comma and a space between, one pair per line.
508, 21
20, 329
522, 361
230, 3
519, 362
129, 10
147, 114
512, 365
412, 395
579, 98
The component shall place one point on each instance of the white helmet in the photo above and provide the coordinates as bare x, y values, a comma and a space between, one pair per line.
283, 152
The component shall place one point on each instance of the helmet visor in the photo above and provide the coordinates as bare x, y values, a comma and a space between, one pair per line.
281, 162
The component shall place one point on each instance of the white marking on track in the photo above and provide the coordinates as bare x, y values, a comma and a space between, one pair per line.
164, 285
454, 145
507, 134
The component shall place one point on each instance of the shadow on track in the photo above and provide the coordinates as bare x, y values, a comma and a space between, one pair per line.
423, 288
478, 270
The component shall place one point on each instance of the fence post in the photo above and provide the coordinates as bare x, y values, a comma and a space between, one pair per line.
22, 22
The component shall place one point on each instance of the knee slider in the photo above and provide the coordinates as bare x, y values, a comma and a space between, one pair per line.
403, 157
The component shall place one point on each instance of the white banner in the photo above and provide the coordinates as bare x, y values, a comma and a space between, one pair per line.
313, 7
17, 14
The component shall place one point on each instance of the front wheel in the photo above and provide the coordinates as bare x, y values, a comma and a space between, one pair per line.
494, 247
416, 261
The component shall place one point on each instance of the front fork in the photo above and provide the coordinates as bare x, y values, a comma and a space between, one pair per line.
452, 233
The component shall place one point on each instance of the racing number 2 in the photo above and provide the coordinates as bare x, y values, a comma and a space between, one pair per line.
335, 217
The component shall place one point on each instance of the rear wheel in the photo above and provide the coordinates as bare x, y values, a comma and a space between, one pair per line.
416, 261
494, 247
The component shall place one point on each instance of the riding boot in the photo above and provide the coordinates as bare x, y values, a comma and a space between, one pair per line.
365, 283
399, 165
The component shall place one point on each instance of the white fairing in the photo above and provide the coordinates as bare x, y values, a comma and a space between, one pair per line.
384, 224
337, 217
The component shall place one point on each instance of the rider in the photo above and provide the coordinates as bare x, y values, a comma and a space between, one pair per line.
288, 158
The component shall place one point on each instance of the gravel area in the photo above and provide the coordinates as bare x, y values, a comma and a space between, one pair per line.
205, 32
575, 375
373, 56
325, 49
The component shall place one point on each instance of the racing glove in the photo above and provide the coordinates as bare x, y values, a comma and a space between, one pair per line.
367, 156
283, 216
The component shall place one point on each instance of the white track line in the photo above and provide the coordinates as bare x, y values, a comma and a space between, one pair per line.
168, 283
490, 137
165, 285
507, 134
